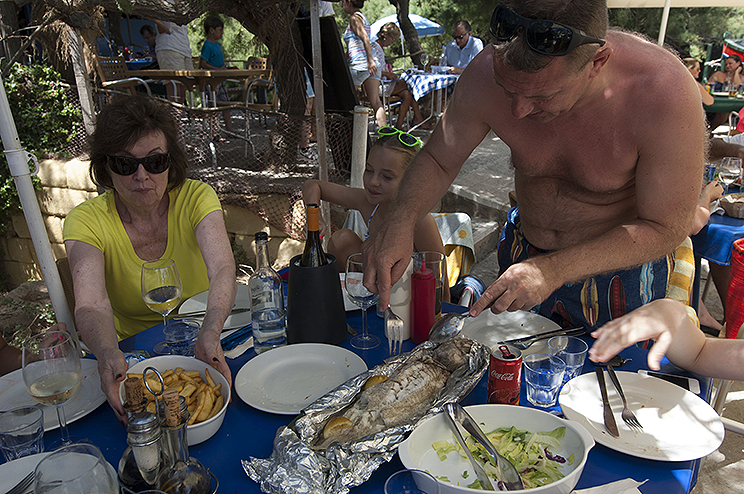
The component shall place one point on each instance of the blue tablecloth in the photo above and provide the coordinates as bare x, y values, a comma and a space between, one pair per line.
250, 432
715, 240
421, 84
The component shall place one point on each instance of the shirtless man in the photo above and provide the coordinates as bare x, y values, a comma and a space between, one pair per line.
607, 146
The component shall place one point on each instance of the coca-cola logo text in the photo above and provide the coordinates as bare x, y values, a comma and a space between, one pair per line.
506, 376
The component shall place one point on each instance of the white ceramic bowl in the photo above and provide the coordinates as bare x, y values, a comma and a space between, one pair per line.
197, 433
416, 451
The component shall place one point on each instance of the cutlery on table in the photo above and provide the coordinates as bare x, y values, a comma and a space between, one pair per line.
238, 337
24, 484
450, 416
393, 331
609, 419
527, 341
627, 415
507, 472
201, 313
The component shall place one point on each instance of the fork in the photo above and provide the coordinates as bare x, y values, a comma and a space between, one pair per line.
23, 484
393, 331
627, 414
527, 341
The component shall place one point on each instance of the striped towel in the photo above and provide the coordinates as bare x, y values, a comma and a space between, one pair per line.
682, 276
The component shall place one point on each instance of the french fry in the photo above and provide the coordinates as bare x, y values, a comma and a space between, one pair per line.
217, 389
167, 373
185, 377
192, 374
210, 381
199, 408
217, 406
151, 407
188, 390
208, 401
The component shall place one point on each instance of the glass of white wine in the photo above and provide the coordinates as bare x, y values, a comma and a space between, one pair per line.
51, 372
729, 171
362, 297
161, 291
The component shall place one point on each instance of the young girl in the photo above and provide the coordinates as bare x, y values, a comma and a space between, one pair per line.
386, 163
212, 58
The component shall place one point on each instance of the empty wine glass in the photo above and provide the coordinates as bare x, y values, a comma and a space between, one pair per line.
161, 291
361, 297
73, 469
729, 171
51, 372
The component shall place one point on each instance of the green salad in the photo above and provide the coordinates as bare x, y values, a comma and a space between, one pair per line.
529, 452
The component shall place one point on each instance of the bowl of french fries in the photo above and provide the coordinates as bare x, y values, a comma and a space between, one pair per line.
204, 388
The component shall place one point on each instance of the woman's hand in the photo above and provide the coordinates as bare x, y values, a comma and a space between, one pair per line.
209, 350
372, 66
112, 369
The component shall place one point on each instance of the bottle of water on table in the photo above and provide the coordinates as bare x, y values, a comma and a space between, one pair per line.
267, 301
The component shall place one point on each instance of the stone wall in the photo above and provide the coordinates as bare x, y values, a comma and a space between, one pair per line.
65, 184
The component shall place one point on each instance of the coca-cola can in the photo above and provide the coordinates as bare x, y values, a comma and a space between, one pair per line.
504, 375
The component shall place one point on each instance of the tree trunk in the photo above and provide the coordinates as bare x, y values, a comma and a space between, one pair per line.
9, 30
409, 32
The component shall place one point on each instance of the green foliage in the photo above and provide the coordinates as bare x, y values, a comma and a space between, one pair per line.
45, 119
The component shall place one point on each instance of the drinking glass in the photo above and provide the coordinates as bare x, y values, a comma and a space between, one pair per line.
51, 372
729, 171
572, 351
21, 432
361, 297
411, 482
74, 469
543, 375
161, 291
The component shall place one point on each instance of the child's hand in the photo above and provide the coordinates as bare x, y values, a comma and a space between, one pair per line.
711, 192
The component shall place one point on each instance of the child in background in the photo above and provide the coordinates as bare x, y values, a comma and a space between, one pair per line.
212, 58
394, 86
387, 162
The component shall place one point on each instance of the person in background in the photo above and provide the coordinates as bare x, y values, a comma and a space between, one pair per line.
732, 75
361, 59
150, 210
462, 49
598, 217
693, 65
173, 51
212, 58
391, 84
149, 35
675, 335
711, 192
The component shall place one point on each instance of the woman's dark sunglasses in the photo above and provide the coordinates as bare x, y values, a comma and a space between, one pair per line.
127, 165
543, 36
404, 137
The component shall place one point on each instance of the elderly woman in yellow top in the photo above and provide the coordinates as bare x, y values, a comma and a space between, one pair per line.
150, 210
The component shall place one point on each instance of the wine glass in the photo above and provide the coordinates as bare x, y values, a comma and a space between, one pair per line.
730, 170
78, 467
424, 60
161, 291
361, 297
51, 372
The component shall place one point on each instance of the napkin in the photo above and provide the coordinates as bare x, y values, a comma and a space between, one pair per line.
235, 343
240, 349
625, 486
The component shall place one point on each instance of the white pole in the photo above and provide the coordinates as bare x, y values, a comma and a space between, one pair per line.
18, 160
359, 146
664, 21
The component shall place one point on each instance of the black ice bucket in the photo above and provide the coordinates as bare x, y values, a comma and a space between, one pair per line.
315, 304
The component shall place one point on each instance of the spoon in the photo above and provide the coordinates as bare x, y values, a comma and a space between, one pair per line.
447, 326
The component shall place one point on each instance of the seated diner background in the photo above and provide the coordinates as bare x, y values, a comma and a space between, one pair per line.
150, 210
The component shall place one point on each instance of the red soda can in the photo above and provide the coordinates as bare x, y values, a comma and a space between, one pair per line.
504, 375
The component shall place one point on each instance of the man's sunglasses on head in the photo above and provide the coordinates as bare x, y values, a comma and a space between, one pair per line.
543, 36
127, 165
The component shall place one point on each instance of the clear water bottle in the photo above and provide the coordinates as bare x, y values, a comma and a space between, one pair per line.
443, 56
267, 301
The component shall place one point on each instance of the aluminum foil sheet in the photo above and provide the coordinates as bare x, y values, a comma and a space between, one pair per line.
295, 468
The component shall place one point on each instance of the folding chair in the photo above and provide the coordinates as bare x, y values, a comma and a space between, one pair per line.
113, 74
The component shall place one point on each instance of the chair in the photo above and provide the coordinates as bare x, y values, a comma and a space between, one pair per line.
113, 74
256, 91
733, 122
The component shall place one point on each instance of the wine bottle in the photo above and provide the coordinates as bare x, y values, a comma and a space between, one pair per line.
313, 255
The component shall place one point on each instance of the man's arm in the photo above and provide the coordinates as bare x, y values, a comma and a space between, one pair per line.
720, 149
388, 250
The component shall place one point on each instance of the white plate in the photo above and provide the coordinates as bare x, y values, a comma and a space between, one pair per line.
720, 93
677, 425
89, 396
489, 329
286, 379
242, 301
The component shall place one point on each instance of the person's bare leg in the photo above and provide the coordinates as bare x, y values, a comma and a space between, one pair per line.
372, 88
228, 120
401, 89
720, 275
706, 319
305, 126
343, 243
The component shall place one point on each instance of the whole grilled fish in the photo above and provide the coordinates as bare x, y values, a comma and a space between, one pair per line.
407, 393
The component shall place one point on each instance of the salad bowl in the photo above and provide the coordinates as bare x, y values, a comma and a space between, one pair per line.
454, 473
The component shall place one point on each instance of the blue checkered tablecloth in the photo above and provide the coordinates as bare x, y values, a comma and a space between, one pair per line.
421, 84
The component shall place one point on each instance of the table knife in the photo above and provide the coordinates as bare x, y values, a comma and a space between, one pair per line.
609, 419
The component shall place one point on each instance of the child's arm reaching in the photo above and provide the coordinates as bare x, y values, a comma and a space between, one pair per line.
710, 193
313, 191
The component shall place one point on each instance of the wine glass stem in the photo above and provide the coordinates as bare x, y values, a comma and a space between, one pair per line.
364, 322
63, 425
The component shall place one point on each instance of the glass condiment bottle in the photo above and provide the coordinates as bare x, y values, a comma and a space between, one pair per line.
267, 301
423, 292
140, 464
182, 474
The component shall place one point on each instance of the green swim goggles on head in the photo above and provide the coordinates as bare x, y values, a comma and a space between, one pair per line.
404, 137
